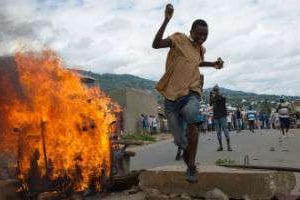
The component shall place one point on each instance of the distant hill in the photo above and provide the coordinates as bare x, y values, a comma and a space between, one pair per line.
110, 82
113, 81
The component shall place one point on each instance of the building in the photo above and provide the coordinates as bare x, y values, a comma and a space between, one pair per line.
134, 102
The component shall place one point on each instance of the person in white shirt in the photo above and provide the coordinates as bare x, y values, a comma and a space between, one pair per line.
229, 121
283, 110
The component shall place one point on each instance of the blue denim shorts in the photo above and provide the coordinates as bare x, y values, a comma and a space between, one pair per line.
183, 111
221, 125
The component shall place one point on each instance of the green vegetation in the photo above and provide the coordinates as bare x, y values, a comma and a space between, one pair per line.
225, 161
118, 81
139, 137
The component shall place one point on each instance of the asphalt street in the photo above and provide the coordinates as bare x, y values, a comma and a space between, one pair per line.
264, 147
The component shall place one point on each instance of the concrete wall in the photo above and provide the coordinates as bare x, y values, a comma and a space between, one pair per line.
134, 102
119, 96
138, 101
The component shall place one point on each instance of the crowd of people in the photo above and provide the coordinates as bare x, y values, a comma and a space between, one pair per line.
246, 118
237, 119
148, 124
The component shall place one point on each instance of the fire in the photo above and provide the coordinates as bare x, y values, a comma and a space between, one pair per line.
52, 122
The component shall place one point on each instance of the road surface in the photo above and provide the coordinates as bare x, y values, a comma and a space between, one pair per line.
264, 147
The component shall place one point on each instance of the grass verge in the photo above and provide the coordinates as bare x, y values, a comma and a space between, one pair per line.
139, 137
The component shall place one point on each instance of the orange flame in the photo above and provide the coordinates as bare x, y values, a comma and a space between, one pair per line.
53, 112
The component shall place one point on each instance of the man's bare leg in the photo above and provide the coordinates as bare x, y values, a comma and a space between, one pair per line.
191, 151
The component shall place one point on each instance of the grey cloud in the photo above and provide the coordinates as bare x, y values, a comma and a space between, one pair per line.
84, 43
11, 30
114, 24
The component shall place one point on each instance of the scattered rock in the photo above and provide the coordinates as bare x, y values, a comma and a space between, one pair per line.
133, 190
151, 191
216, 194
152, 194
185, 197
246, 197
272, 148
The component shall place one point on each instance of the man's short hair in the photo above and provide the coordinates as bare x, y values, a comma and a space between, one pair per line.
199, 22
216, 88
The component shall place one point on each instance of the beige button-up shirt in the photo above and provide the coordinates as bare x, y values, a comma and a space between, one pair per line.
182, 68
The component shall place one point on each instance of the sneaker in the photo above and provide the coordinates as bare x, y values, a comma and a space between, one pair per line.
284, 136
220, 149
191, 175
178, 157
229, 148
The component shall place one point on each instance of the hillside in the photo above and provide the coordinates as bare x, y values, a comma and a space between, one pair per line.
110, 82
113, 81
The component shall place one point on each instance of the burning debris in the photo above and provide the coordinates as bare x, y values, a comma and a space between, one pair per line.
57, 128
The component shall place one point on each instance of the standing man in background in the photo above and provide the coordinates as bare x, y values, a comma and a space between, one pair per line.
218, 102
283, 110
251, 116
180, 85
239, 120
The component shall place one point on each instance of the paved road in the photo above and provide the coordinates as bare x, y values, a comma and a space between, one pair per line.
263, 148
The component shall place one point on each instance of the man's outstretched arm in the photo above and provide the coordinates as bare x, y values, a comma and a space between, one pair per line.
217, 64
158, 41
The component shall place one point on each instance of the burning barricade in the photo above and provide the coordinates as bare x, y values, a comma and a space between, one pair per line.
54, 130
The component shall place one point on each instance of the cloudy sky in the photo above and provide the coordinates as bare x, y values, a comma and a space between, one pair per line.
259, 40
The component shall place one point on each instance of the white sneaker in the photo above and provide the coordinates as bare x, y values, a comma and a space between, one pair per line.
284, 136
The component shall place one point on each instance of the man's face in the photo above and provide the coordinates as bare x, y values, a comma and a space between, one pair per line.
214, 93
199, 34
